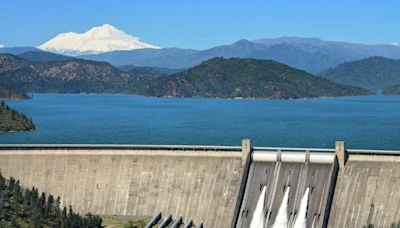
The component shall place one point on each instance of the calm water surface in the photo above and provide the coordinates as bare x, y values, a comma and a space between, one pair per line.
363, 122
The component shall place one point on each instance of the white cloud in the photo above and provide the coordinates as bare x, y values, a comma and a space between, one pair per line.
395, 44
1, 45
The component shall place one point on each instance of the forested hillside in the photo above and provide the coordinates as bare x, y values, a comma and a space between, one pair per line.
13, 121
9, 93
392, 90
371, 73
246, 78
67, 76
215, 78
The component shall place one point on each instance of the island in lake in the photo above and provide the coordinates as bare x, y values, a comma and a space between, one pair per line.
13, 121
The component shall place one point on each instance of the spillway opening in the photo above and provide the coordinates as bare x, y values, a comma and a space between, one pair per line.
258, 219
301, 220
281, 220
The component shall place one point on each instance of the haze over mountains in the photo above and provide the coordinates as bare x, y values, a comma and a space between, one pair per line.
374, 73
309, 54
107, 43
18, 50
38, 56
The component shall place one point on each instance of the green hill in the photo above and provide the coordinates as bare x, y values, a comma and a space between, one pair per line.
371, 73
67, 76
11, 120
392, 90
245, 78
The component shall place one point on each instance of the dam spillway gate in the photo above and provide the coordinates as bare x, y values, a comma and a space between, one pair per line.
218, 186
293, 172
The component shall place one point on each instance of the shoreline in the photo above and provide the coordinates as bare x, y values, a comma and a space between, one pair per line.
15, 99
14, 131
211, 98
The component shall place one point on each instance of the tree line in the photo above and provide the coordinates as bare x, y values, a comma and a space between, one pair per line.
21, 207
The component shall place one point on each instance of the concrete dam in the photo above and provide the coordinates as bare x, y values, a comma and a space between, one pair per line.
216, 186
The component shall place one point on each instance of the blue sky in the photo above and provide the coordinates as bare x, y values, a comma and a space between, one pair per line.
204, 23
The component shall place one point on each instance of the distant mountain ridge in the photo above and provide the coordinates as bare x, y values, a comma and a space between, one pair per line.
310, 54
245, 78
374, 73
18, 50
33, 54
43, 56
354, 50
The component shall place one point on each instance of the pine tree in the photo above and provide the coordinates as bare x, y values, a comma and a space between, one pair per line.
24, 208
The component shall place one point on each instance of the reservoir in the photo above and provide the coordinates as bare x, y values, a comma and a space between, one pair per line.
371, 122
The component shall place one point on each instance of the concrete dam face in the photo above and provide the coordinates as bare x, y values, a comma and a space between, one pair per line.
217, 186
367, 190
196, 182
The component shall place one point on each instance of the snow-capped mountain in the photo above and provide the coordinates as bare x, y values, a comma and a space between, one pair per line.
100, 39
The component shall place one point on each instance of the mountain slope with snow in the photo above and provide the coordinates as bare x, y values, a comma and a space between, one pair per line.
101, 39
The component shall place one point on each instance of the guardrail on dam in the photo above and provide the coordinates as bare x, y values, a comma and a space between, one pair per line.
219, 186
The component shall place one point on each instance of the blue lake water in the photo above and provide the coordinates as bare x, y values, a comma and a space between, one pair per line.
363, 122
